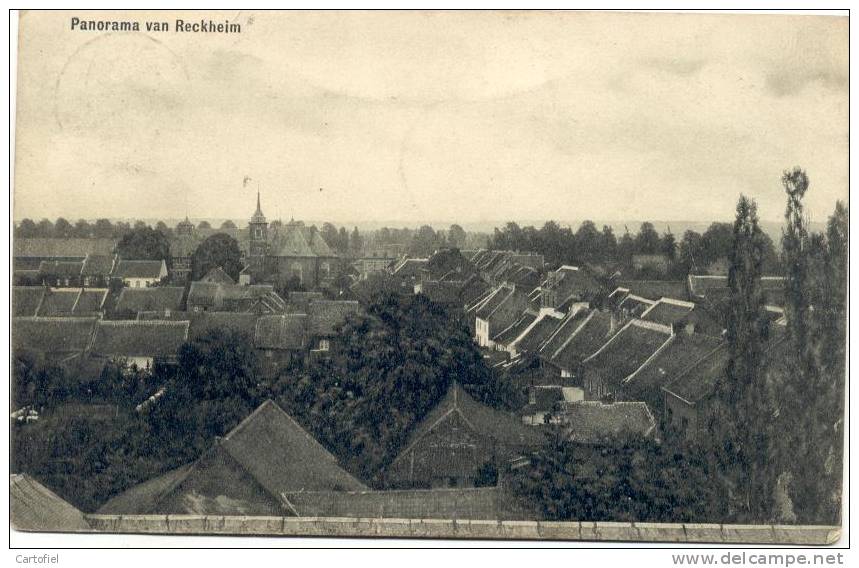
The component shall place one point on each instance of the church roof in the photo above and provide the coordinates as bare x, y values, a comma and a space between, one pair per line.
293, 243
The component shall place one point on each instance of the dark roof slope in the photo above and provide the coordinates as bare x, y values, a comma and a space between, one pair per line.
655, 289
34, 507
627, 351
139, 338
52, 335
684, 351
60, 269
538, 334
698, 381
281, 456
592, 422
58, 302
500, 426
98, 265
138, 269
558, 337
150, 299
292, 243
585, 340
90, 301
218, 275
143, 497
515, 329
26, 300
204, 322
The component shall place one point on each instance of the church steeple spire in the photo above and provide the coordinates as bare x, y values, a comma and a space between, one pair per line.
258, 215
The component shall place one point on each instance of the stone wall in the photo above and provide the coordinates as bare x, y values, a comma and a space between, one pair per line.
432, 528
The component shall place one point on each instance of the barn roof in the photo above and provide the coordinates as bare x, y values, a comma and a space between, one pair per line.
139, 338
488, 422
218, 275
539, 333
60, 268
655, 289
668, 311
515, 329
34, 507
204, 322
98, 265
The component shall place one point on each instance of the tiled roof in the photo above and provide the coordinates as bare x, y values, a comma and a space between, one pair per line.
487, 308
583, 340
161, 298
539, 333
636, 305
305, 297
409, 267
680, 354
26, 300
291, 243
480, 503
627, 351
138, 269
90, 302
147, 338
592, 422
60, 269
281, 332
319, 246
281, 456
61, 248
515, 330
58, 302
565, 327
270, 450
98, 265
324, 316
697, 382
218, 275
704, 285
499, 426
205, 294
52, 335
34, 507
668, 311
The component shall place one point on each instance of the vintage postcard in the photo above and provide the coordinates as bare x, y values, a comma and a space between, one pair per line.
430, 274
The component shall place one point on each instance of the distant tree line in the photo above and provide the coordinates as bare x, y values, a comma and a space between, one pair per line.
694, 253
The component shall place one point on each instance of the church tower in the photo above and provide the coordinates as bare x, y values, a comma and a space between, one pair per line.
258, 237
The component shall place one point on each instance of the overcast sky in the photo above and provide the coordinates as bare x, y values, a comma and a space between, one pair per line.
413, 117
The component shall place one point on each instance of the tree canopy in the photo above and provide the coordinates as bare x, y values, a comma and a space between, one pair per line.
219, 250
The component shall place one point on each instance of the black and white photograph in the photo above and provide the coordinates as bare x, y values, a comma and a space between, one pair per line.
488, 275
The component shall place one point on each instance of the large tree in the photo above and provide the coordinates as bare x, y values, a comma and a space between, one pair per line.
456, 236
743, 412
144, 243
219, 250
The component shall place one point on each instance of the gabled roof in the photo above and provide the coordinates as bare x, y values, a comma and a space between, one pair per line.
26, 300
205, 294
698, 381
319, 246
583, 340
157, 299
34, 507
98, 265
326, 315
293, 244
702, 286
486, 422
52, 335
628, 350
534, 337
636, 305
90, 301
562, 332
409, 267
139, 338
684, 351
60, 268
668, 311
218, 275
493, 302
58, 302
592, 422
269, 449
139, 269
61, 248
288, 331
516, 329
281, 456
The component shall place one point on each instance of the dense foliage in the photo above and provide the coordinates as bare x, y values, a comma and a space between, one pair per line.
392, 366
631, 479
144, 243
219, 250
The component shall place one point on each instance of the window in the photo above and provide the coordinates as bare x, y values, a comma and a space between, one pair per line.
258, 232
325, 269
324, 345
